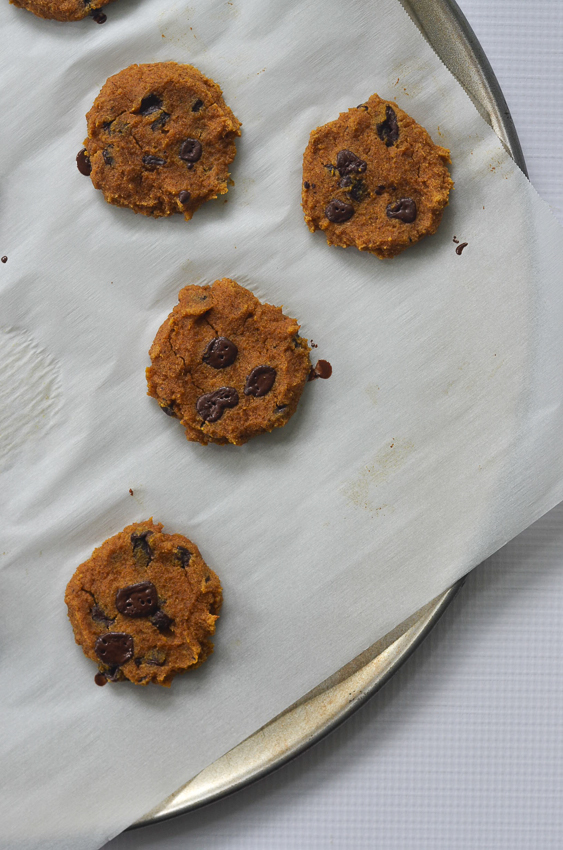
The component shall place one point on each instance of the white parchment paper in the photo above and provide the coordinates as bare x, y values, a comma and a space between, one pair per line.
437, 439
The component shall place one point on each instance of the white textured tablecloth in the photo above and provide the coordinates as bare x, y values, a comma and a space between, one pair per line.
463, 749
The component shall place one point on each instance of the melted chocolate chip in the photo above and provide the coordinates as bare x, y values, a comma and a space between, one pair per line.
348, 163
4, 259
152, 161
99, 616
83, 163
150, 104
306, 184
184, 197
142, 551
159, 122
100, 679
388, 130
460, 248
190, 150
168, 408
108, 159
197, 105
137, 600
260, 381
100, 17
404, 210
456, 240
338, 211
211, 406
359, 190
184, 556
323, 369
220, 353
161, 621
115, 648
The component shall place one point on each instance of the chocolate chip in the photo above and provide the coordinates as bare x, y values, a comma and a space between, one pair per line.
211, 406
99, 616
159, 122
100, 679
142, 551
161, 621
359, 190
115, 648
404, 210
207, 579
380, 189
83, 163
184, 556
168, 408
388, 130
197, 105
190, 150
150, 104
137, 600
220, 353
260, 381
108, 159
346, 181
306, 184
338, 211
363, 106
4, 259
184, 197
460, 248
106, 127
348, 163
323, 369
100, 17
153, 161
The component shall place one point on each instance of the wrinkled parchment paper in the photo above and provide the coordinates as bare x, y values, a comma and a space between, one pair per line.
437, 439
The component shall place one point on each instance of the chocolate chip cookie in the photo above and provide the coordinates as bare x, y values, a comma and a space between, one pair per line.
62, 10
160, 140
374, 179
144, 606
226, 365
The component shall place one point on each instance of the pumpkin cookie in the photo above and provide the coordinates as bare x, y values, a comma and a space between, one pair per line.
226, 365
374, 179
64, 10
144, 605
160, 140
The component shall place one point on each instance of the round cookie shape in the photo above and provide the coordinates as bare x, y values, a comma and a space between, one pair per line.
226, 365
374, 179
144, 606
63, 10
160, 140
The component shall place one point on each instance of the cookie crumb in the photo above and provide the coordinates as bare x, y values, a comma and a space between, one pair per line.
130, 491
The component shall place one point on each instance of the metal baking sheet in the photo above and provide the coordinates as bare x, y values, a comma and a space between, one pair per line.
322, 709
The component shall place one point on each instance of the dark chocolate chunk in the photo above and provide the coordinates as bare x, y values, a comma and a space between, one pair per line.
323, 369
359, 190
388, 130
142, 551
83, 163
100, 17
348, 163
159, 122
150, 104
137, 600
115, 648
184, 197
190, 150
346, 181
211, 406
100, 679
152, 161
404, 210
460, 248
197, 105
220, 353
108, 159
338, 211
306, 184
161, 621
184, 556
260, 381
100, 617
168, 408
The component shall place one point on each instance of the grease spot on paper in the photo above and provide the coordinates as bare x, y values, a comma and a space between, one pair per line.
30, 393
386, 463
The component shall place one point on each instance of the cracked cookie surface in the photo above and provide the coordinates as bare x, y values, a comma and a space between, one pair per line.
160, 140
226, 365
374, 179
61, 10
144, 606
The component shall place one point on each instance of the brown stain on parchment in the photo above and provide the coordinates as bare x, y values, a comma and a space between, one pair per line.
359, 491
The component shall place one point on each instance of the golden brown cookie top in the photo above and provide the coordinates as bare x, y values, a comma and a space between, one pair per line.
144, 605
160, 140
64, 10
374, 179
226, 365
